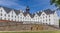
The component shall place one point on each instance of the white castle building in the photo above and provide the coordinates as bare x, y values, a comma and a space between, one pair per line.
45, 17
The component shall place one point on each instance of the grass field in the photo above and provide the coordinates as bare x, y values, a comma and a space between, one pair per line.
35, 32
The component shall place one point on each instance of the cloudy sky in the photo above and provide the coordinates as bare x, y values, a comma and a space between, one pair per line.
35, 5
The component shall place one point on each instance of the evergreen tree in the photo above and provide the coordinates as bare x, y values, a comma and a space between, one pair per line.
56, 3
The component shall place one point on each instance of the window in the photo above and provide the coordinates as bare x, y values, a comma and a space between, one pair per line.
12, 19
46, 16
49, 19
15, 19
1, 14
46, 20
5, 14
15, 16
12, 16
12, 12
29, 19
54, 19
8, 19
43, 20
43, 14
1, 10
21, 17
4, 18
8, 15
49, 23
43, 17
49, 15
46, 23
18, 16
36, 16
1, 18
40, 17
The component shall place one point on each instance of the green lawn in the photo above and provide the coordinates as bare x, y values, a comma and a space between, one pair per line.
35, 32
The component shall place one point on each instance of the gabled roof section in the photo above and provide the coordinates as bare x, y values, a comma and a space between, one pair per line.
17, 11
9, 9
48, 11
39, 13
6, 9
32, 15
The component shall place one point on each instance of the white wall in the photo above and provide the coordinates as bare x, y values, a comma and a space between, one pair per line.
54, 20
43, 17
12, 16
2, 11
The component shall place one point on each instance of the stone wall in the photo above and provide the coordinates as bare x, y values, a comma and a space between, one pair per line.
17, 26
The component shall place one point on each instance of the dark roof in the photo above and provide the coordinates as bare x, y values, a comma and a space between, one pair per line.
6, 9
39, 13
48, 11
17, 11
9, 9
32, 15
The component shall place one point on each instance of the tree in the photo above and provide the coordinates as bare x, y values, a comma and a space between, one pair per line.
56, 3
59, 22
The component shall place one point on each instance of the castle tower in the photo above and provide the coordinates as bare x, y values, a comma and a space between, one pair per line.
27, 9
